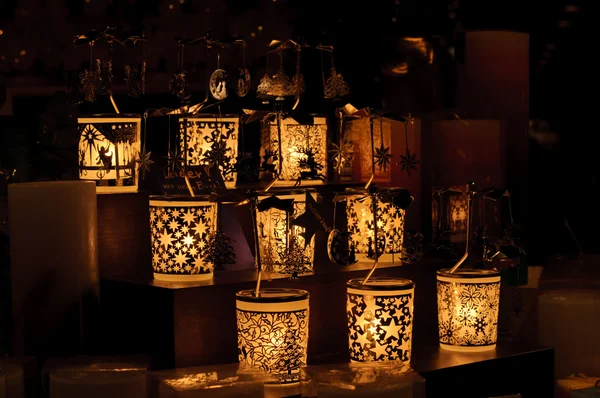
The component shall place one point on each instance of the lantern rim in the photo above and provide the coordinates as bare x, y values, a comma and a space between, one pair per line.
214, 116
110, 116
282, 191
363, 191
272, 295
381, 284
181, 198
468, 273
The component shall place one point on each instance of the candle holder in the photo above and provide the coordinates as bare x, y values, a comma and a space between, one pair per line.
273, 331
468, 301
380, 319
180, 232
390, 226
211, 140
295, 153
108, 146
282, 246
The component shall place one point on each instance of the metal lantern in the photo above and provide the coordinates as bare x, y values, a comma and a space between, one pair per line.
390, 226
181, 231
108, 146
380, 319
296, 153
468, 301
273, 331
211, 140
282, 245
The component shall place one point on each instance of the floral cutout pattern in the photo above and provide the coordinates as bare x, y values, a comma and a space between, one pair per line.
390, 223
212, 141
468, 313
275, 342
180, 236
380, 328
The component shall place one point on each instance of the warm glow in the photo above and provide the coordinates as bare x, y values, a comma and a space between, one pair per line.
273, 331
275, 233
181, 232
108, 148
380, 319
1, 32
390, 232
209, 137
296, 141
468, 302
23, 52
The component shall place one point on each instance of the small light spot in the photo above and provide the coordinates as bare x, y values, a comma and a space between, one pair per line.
572, 8
563, 23
17, 60
551, 46
1, 32
171, 6
87, 1
23, 52
394, 19
253, 34
181, 1
260, 28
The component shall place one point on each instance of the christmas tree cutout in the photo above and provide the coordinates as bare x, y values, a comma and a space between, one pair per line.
294, 260
219, 251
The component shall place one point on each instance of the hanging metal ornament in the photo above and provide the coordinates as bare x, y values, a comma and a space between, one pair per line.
298, 80
89, 77
135, 75
381, 156
218, 83
143, 158
178, 84
264, 87
281, 85
408, 161
243, 80
334, 87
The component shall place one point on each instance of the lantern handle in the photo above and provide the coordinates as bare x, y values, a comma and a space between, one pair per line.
470, 192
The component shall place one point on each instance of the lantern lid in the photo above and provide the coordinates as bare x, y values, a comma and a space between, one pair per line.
279, 191
213, 116
182, 198
363, 191
111, 116
468, 273
381, 283
272, 295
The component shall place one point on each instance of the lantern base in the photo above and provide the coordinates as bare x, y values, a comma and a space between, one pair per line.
116, 189
384, 259
468, 349
183, 278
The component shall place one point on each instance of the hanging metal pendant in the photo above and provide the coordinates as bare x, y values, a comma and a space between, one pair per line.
218, 84
340, 249
243, 82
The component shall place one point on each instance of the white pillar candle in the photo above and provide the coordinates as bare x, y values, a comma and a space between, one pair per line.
54, 263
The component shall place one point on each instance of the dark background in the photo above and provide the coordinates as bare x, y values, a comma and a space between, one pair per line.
36, 52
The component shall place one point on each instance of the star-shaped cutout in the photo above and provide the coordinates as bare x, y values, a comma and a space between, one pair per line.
382, 157
408, 162
144, 162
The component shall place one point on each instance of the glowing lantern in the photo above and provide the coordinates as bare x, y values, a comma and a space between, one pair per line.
296, 153
390, 227
380, 319
282, 245
108, 147
181, 229
468, 301
273, 331
211, 139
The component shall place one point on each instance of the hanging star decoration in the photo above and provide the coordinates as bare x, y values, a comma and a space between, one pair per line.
310, 220
175, 160
408, 162
144, 162
382, 157
341, 155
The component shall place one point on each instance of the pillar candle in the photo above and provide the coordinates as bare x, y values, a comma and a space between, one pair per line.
54, 264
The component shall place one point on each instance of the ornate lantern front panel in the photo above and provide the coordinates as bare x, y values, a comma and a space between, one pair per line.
181, 231
282, 246
468, 302
273, 331
108, 147
390, 232
299, 156
380, 319
211, 140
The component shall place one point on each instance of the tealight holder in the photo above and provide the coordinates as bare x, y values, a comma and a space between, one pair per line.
108, 147
273, 331
180, 230
468, 302
380, 319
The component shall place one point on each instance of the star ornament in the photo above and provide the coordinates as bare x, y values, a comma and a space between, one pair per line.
341, 155
408, 162
144, 162
382, 157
